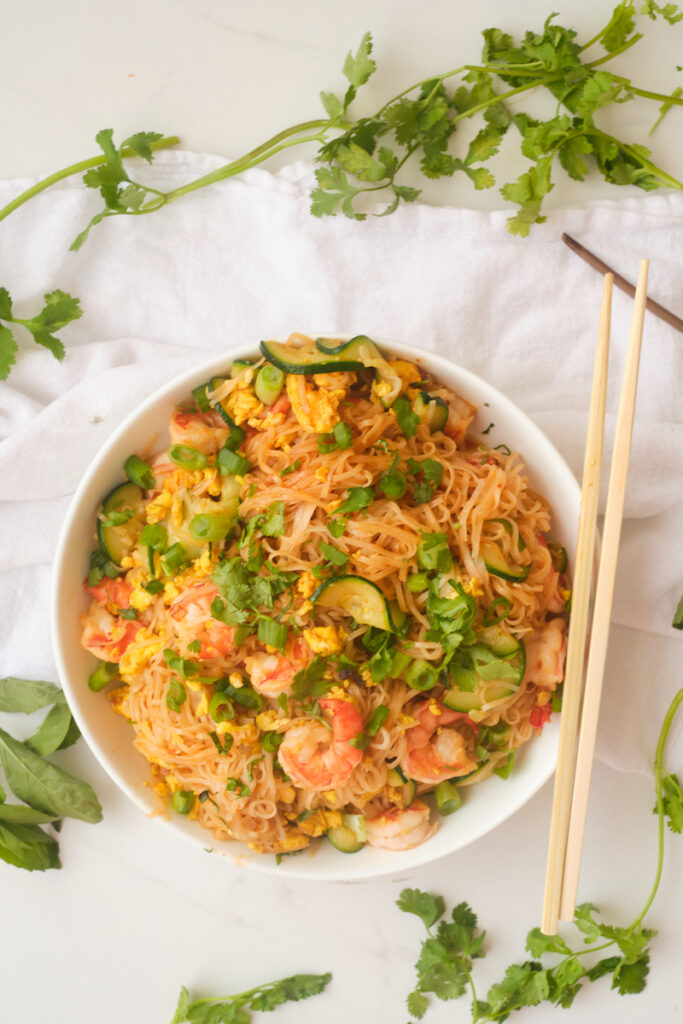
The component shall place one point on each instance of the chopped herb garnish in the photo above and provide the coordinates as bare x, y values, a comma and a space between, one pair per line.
408, 421
128, 613
273, 634
185, 668
153, 586
222, 744
117, 517
237, 787
677, 622
100, 566
357, 499
502, 448
333, 554
310, 681
489, 428
273, 524
176, 695
433, 553
337, 526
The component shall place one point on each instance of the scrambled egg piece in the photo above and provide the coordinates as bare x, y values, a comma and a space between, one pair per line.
322, 473
542, 697
473, 587
405, 721
319, 822
242, 403
144, 647
380, 389
366, 676
203, 706
408, 373
247, 733
271, 419
306, 584
289, 845
139, 598
287, 795
325, 639
119, 701
323, 404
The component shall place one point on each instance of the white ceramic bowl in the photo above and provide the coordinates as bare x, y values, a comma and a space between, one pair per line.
485, 805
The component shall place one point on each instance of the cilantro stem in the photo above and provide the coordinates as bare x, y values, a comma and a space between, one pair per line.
614, 53
658, 771
282, 140
67, 172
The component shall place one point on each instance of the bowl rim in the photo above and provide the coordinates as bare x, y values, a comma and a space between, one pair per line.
444, 369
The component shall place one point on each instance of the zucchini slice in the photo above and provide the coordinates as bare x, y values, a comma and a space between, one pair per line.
433, 411
406, 788
558, 555
239, 366
326, 356
475, 686
497, 564
214, 384
119, 541
350, 836
228, 505
361, 599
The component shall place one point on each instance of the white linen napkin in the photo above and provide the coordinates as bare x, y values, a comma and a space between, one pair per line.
244, 259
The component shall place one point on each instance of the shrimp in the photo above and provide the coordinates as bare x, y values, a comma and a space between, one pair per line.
545, 655
205, 431
401, 829
460, 415
433, 751
272, 674
105, 635
115, 593
192, 608
317, 757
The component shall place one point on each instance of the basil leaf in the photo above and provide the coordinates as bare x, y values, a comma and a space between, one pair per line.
43, 785
52, 732
19, 814
28, 695
28, 847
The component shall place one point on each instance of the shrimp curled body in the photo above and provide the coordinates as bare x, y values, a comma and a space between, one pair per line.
435, 752
317, 757
401, 829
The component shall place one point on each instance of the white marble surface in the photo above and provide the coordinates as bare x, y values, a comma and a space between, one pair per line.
135, 913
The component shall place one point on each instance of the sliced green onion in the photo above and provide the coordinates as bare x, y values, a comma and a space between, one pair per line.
247, 697
399, 663
230, 463
173, 558
326, 443
221, 708
421, 675
342, 435
182, 801
269, 382
270, 741
234, 438
176, 696
291, 468
272, 633
360, 741
448, 798
139, 472
154, 536
153, 586
377, 720
417, 582
211, 526
102, 676
237, 787
491, 618
223, 747
186, 457
201, 398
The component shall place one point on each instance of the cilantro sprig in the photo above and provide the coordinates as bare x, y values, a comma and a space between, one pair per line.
59, 310
236, 1009
559, 969
368, 156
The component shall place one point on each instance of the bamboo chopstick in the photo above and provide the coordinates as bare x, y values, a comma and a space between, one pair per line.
576, 644
604, 592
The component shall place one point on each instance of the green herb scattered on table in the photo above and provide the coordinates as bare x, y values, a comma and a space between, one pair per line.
374, 156
48, 793
445, 965
235, 1009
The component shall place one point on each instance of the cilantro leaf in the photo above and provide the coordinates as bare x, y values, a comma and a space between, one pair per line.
417, 1004
424, 905
311, 681
333, 554
585, 922
630, 975
538, 943
677, 621
357, 499
59, 310
8, 351
273, 524
672, 801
